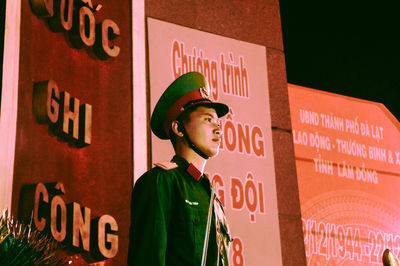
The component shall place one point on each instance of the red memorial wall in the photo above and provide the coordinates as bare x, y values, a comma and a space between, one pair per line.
73, 158
73, 150
348, 167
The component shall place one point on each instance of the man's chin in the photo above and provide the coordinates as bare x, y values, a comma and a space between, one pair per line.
213, 153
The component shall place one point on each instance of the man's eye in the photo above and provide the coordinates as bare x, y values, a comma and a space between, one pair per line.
208, 119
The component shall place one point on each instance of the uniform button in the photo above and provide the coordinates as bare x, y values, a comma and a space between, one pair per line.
195, 221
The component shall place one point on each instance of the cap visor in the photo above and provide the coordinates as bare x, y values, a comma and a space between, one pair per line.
220, 108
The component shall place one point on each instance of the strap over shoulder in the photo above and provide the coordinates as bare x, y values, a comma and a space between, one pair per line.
223, 233
166, 165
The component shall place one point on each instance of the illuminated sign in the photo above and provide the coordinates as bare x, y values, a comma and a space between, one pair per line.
348, 177
72, 223
70, 119
77, 18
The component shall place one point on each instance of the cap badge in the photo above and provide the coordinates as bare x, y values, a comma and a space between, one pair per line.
205, 92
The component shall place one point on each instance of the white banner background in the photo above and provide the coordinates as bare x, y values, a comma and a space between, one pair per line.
244, 169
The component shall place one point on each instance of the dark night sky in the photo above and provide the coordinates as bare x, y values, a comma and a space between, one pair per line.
343, 46
346, 47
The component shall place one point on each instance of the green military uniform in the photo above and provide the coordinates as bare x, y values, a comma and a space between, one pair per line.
169, 217
170, 202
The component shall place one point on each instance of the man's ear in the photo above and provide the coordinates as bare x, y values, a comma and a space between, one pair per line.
177, 128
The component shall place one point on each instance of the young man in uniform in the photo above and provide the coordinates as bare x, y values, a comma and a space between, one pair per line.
171, 202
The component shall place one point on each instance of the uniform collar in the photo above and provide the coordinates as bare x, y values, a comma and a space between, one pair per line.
190, 168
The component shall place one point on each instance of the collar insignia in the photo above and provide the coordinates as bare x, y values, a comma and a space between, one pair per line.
166, 165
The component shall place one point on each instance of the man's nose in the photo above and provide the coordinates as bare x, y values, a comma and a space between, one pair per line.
218, 129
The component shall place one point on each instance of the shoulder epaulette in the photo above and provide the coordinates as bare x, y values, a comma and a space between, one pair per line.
166, 165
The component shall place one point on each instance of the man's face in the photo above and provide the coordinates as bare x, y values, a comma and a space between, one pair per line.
204, 130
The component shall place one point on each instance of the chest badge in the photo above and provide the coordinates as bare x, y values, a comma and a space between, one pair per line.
205, 92
192, 203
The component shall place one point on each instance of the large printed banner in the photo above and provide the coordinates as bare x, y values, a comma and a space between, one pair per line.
244, 170
348, 167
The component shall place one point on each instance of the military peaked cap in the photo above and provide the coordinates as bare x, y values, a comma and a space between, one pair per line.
190, 89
